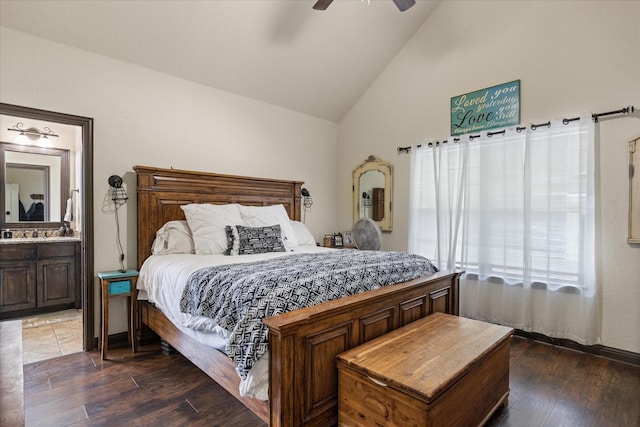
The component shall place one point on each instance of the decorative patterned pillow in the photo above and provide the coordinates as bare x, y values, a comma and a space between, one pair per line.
254, 240
262, 216
233, 242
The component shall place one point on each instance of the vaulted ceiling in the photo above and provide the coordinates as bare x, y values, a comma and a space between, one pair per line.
278, 51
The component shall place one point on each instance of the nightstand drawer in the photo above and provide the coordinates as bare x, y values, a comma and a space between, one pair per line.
119, 287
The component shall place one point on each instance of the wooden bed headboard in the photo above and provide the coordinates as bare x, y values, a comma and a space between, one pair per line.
161, 192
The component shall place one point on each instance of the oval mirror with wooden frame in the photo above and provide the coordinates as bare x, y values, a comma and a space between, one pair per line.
373, 192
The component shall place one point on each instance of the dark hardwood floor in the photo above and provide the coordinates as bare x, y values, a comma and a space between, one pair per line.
553, 386
550, 386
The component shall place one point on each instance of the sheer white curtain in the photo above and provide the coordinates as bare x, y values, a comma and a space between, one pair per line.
516, 212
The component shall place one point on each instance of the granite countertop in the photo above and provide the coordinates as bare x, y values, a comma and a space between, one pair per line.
19, 240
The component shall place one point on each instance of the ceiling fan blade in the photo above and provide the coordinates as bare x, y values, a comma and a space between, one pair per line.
402, 4
322, 4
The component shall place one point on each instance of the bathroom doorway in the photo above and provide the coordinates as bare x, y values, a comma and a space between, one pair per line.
82, 164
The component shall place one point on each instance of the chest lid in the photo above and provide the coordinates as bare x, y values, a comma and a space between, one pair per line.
426, 357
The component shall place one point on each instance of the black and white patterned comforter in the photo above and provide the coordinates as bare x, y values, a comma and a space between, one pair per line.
238, 296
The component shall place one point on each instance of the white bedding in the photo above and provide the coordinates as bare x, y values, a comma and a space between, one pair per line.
161, 281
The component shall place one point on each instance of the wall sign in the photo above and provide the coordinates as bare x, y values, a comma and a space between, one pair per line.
489, 108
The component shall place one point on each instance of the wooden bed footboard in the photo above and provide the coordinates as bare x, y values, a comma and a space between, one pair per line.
303, 343
303, 378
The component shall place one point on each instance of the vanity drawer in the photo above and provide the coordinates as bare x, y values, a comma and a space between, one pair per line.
57, 250
17, 252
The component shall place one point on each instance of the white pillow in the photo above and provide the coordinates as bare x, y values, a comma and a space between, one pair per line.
207, 223
262, 216
304, 236
173, 238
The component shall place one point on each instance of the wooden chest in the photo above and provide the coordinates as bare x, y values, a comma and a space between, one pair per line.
441, 370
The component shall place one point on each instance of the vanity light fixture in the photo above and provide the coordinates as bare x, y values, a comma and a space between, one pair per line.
33, 134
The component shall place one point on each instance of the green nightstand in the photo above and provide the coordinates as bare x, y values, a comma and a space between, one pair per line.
118, 284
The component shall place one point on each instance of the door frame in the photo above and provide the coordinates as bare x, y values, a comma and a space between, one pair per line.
86, 211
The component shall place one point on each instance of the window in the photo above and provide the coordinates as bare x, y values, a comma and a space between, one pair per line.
514, 209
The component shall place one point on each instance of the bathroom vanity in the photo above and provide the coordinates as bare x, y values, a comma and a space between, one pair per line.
39, 275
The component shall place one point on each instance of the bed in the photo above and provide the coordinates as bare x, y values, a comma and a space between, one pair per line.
302, 375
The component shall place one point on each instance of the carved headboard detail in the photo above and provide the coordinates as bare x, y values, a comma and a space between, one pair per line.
161, 192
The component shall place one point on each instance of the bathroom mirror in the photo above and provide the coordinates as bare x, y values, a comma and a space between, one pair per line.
373, 192
36, 186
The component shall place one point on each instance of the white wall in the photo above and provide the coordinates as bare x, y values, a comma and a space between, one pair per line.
142, 117
571, 57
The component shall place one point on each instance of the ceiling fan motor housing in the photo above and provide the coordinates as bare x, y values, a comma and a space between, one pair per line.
401, 4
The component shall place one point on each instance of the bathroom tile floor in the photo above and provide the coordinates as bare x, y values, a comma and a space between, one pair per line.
50, 335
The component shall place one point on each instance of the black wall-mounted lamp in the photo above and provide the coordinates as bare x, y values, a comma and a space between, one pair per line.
118, 193
119, 197
307, 202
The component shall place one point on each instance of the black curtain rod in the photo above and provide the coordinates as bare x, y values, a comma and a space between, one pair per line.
626, 110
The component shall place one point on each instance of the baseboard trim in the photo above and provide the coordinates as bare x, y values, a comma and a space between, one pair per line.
611, 353
120, 339
624, 356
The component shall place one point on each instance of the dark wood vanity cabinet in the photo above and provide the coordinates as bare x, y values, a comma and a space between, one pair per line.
38, 277
17, 277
